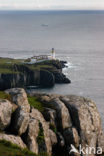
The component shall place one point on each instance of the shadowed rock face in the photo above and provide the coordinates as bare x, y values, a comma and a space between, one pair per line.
63, 116
67, 121
20, 121
47, 78
38, 116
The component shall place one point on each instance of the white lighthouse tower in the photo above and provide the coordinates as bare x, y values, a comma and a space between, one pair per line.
53, 53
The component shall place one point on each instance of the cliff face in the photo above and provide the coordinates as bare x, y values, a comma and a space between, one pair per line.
51, 123
45, 74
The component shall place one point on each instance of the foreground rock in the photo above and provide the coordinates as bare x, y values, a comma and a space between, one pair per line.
45, 126
82, 121
85, 119
66, 122
63, 116
19, 97
31, 136
5, 113
20, 121
13, 139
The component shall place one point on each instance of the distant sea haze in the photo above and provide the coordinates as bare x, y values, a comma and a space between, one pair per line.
77, 36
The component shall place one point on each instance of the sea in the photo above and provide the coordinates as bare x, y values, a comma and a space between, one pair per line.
78, 38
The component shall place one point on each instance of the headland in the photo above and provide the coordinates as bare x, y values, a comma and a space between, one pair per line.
27, 72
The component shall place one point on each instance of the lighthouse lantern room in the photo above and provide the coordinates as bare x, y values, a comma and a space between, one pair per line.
53, 53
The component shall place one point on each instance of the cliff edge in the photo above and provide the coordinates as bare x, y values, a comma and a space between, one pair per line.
19, 73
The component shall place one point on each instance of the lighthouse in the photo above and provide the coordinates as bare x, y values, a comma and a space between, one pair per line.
53, 53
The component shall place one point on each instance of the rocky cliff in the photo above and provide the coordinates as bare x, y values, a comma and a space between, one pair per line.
54, 124
18, 73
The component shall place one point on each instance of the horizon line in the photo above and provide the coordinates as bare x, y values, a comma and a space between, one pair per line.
52, 10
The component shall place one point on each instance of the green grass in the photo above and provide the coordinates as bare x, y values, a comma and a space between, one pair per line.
9, 149
41, 141
33, 101
10, 60
47, 64
39, 66
6, 65
5, 68
3, 95
40, 138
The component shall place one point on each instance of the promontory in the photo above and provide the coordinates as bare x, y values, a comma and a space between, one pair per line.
23, 73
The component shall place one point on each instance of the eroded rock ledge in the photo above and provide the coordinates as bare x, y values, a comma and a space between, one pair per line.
63, 121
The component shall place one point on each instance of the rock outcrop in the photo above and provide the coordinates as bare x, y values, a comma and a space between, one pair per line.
31, 135
66, 122
50, 115
47, 78
53, 137
20, 121
13, 139
19, 97
38, 116
60, 77
85, 118
63, 116
5, 113
78, 121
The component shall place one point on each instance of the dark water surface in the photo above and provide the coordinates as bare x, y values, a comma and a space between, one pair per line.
77, 36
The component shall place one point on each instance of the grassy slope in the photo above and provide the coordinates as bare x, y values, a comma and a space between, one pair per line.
6, 65
8, 149
33, 101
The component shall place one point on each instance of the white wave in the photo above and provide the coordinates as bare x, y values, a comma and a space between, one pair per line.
69, 65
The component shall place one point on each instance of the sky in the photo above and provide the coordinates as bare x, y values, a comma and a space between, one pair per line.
51, 4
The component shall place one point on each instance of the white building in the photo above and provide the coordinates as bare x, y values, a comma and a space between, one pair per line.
41, 58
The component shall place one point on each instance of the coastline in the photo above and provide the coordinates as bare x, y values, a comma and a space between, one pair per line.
20, 73
59, 120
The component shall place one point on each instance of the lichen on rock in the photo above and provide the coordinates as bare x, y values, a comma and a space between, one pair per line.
5, 113
65, 121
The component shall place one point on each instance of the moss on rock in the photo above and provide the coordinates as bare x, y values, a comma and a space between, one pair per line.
41, 139
34, 102
3, 95
7, 148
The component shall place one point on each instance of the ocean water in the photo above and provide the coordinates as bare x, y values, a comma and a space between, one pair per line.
78, 38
